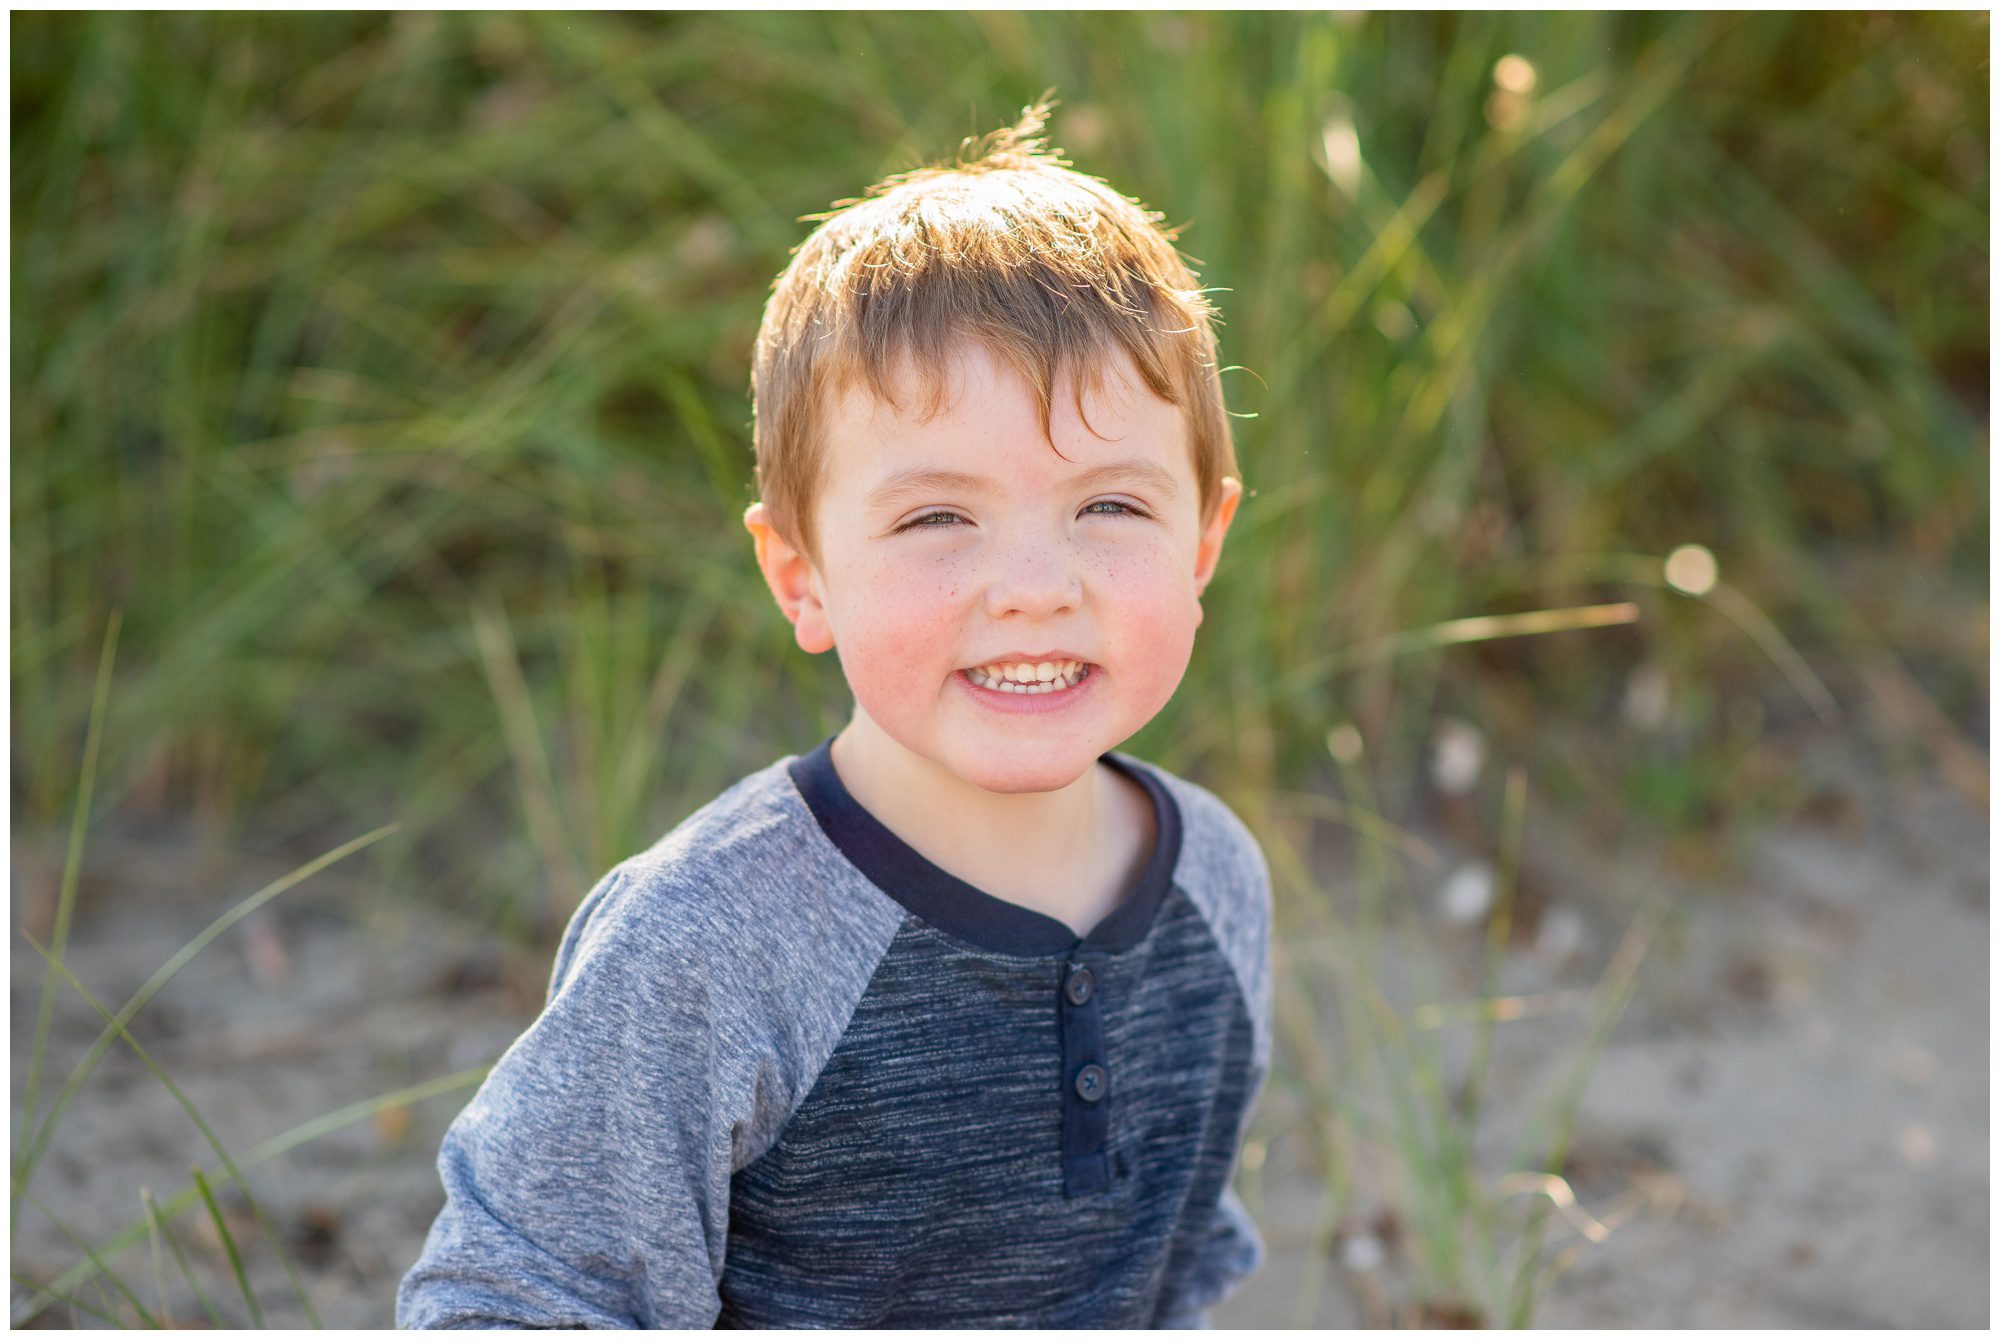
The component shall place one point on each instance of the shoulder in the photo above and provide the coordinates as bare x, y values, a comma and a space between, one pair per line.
1222, 870
744, 922
746, 884
1217, 847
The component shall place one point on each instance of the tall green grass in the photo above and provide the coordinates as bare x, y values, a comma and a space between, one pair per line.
387, 376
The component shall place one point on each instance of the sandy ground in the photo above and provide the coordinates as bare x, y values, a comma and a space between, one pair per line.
1789, 1126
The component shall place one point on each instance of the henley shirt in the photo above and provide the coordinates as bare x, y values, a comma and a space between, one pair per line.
791, 1073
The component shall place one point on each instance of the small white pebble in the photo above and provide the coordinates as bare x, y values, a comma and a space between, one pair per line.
1458, 751
1362, 1253
1561, 934
1467, 893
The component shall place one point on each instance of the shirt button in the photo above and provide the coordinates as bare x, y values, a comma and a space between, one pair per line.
1091, 1083
1077, 988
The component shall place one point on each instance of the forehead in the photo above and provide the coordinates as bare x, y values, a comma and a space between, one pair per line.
984, 424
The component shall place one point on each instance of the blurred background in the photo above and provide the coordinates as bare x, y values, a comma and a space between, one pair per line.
1601, 655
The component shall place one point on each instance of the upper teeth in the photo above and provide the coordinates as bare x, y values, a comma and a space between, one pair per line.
1026, 673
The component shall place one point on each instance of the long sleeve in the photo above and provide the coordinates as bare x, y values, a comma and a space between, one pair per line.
587, 1183
1229, 1251
1216, 1245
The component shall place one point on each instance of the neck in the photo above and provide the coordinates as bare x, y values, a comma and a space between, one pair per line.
990, 839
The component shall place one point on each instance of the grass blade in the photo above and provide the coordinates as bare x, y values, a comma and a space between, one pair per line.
159, 1266
1615, 992
65, 902
1452, 632
229, 1248
194, 1114
102, 1269
1499, 925
1740, 610
1499, 928
165, 974
54, 1297
532, 772
165, 1230
301, 1134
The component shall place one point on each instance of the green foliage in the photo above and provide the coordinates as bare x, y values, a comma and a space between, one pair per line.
330, 328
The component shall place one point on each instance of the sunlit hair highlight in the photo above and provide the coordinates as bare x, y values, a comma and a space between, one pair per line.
1054, 272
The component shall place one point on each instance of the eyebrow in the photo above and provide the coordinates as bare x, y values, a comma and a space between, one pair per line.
919, 480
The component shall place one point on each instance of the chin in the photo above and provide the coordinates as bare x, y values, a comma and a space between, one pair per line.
1028, 775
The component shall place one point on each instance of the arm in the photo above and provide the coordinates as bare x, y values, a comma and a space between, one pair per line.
587, 1183
1216, 1246
1223, 1250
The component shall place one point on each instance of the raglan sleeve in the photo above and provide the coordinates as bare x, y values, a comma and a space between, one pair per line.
1229, 1252
1219, 1246
587, 1182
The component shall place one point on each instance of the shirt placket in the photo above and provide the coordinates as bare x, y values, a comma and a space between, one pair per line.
1086, 1123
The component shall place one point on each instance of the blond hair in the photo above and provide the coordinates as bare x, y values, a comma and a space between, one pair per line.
1052, 271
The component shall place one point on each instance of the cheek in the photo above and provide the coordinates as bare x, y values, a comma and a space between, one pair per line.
902, 623
1161, 618
1147, 582
1153, 606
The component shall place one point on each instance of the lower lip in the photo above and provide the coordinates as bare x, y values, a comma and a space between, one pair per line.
1029, 704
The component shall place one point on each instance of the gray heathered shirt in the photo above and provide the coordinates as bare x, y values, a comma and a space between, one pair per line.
790, 1073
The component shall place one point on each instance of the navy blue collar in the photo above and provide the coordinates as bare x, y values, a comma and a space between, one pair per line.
958, 908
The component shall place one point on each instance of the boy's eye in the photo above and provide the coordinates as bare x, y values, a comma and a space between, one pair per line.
948, 520
925, 521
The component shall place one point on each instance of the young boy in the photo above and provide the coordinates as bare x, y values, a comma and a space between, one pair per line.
957, 1020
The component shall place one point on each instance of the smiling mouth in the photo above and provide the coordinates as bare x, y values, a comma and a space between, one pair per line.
984, 677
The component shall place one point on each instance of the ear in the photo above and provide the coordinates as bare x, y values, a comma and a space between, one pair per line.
1210, 549
793, 582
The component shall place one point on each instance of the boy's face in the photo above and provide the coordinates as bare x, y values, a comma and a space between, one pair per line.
1100, 557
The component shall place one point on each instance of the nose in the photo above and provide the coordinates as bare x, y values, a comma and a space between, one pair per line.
1034, 576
